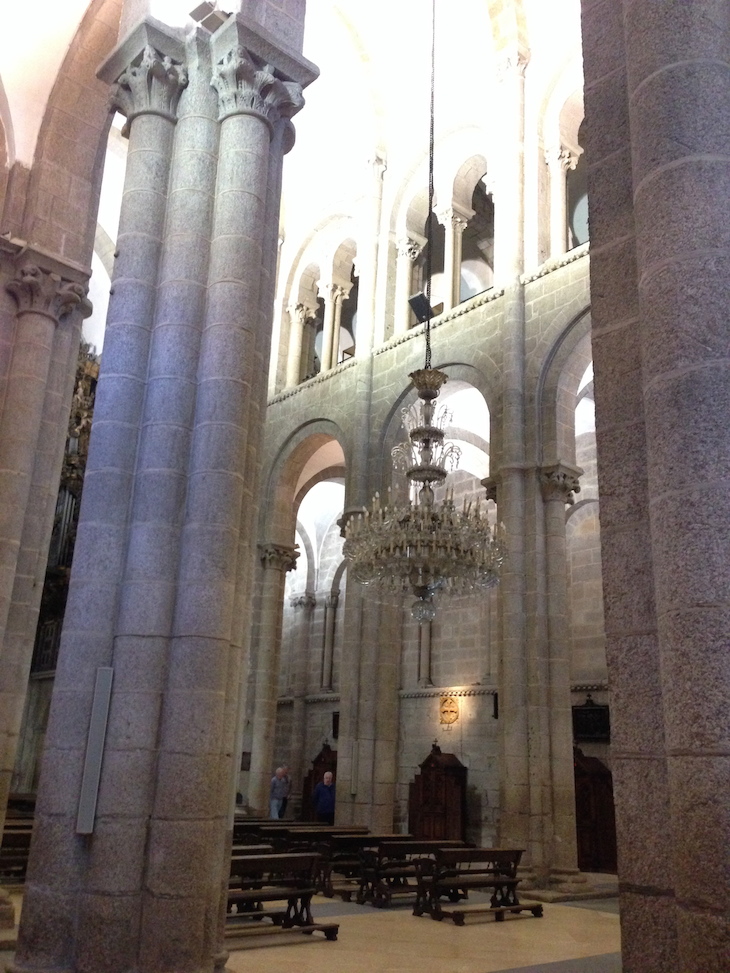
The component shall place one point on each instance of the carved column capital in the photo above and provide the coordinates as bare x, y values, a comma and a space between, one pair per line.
332, 600
42, 292
300, 313
560, 482
490, 487
409, 248
450, 215
278, 556
245, 86
307, 601
561, 156
151, 85
511, 64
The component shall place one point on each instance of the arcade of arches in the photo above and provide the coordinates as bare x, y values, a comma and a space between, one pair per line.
238, 264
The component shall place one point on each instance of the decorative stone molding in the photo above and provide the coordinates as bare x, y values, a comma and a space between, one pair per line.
555, 264
438, 693
560, 482
332, 600
307, 601
245, 88
46, 293
322, 698
589, 687
278, 556
151, 85
409, 248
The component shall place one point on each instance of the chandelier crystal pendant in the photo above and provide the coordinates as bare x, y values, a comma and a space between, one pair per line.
419, 544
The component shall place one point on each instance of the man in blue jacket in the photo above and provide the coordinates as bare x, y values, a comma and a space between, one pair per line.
323, 800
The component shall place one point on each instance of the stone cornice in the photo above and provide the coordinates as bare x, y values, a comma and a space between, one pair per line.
32, 253
322, 698
435, 692
322, 377
550, 265
239, 31
589, 687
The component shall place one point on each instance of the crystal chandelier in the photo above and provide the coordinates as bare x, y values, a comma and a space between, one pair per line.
420, 544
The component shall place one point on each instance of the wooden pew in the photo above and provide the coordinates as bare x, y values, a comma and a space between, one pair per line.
390, 869
15, 848
453, 872
279, 888
342, 854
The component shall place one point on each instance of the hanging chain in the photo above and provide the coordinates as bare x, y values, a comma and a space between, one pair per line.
429, 227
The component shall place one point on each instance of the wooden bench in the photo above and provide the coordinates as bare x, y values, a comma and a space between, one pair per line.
390, 869
342, 855
276, 887
15, 848
454, 872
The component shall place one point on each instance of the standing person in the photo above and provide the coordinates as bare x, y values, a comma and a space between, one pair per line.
323, 799
277, 792
285, 798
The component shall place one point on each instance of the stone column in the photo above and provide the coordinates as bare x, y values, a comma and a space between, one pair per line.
43, 298
304, 606
647, 839
454, 222
149, 76
33, 429
558, 484
424, 654
677, 77
330, 616
408, 252
299, 314
517, 808
559, 161
367, 251
328, 292
276, 560
39, 514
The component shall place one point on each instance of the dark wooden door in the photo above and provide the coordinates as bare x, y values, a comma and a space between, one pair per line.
594, 815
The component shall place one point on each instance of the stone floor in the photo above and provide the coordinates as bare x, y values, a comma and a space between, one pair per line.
573, 937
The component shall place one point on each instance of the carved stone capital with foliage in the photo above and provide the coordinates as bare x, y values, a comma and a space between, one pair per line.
278, 556
246, 87
42, 292
307, 601
560, 482
151, 85
409, 248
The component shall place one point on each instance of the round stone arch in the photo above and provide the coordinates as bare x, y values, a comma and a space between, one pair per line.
277, 518
391, 431
63, 192
557, 389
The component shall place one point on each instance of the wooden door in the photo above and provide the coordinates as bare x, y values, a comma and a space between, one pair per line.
594, 815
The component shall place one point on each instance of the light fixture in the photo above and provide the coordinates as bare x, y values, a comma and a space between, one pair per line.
209, 16
418, 543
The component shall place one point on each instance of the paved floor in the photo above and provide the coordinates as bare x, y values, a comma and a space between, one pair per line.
572, 937
575, 937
